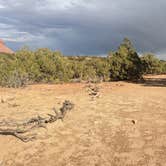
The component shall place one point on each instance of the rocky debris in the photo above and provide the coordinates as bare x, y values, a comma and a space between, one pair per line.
93, 91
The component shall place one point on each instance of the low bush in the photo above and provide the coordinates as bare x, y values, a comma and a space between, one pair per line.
46, 66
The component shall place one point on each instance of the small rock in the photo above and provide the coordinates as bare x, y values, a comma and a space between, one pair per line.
133, 121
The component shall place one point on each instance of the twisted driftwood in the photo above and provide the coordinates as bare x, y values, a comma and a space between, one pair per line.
19, 129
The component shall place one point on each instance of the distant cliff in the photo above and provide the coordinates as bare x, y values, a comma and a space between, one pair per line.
4, 48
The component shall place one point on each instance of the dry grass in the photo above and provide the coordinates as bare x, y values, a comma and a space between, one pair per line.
126, 126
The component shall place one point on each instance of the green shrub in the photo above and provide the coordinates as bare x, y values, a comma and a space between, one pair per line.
15, 79
11, 74
152, 65
43, 65
125, 63
163, 66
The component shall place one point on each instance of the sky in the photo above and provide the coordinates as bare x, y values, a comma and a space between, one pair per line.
84, 27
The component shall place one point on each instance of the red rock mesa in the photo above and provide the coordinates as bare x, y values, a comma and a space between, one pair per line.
4, 48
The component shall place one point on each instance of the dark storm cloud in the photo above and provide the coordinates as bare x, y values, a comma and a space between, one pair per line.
84, 26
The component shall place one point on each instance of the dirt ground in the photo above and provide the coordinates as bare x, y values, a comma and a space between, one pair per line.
126, 126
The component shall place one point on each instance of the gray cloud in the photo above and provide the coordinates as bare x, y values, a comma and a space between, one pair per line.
84, 26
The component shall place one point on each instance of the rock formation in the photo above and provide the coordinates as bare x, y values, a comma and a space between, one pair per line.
4, 48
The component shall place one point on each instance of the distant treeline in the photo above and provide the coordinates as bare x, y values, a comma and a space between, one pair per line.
46, 66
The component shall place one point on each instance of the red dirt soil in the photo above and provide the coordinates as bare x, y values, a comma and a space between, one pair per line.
97, 132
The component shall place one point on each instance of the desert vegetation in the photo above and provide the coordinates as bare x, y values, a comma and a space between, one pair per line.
111, 123
46, 66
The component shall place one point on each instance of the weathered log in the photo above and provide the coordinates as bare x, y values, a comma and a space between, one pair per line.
18, 129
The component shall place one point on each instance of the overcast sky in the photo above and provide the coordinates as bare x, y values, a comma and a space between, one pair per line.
90, 27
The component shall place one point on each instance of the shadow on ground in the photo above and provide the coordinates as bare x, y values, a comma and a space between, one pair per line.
154, 82
151, 81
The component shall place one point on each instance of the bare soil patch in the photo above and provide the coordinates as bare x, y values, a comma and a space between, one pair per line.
125, 126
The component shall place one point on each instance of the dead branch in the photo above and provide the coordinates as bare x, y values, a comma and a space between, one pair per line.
19, 129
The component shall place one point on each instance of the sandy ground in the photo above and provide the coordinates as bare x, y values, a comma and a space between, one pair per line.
95, 133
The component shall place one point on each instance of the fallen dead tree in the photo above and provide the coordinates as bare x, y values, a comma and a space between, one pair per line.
22, 129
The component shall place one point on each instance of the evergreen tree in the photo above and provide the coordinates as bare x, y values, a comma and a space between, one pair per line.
125, 63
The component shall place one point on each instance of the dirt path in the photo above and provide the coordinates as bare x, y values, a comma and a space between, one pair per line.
126, 126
